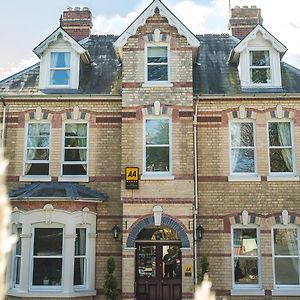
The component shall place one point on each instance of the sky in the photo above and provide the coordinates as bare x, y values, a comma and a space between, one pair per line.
24, 24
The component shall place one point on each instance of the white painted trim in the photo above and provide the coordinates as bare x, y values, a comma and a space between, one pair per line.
78, 178
247, 286
266, 35
157, 84
286, 292
36, 177
244, 178
247, 292
280, 175
36, 294
157, 175
149, 12
237, 175
284, 289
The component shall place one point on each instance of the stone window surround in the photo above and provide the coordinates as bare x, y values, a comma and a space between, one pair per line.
69, 221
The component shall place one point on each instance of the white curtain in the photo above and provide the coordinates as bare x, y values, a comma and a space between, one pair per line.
284, 136
235, 132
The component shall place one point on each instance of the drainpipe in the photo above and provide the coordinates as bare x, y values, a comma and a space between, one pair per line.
3, 122
195, 206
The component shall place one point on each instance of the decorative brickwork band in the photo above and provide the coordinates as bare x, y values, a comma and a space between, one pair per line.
242, 113
165, 220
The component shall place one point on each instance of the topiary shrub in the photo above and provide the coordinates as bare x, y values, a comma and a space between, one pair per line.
110, 281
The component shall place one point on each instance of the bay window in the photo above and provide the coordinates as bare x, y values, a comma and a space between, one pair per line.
17, 258
37, 152
157, 149
242, 148
286, 256
281, 160
80, 258
75, 149
246, 257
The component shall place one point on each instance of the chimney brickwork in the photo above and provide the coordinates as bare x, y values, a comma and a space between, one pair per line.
77, 22
243, 20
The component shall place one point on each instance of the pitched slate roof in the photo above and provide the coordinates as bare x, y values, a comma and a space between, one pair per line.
69, 191
212, 74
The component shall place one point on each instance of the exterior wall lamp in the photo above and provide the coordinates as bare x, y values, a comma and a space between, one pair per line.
116, 232
199, 232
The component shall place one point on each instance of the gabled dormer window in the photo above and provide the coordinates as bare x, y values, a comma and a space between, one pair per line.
60, 68
157, 64
260, 67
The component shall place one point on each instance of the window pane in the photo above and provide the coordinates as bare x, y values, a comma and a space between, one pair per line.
48, 241
280, 134
75, 155
60, 60
75, 142
281, 160
245, 270
171, 262
259, 58
47, 271
157, 159
38, 154
80, 241
242, 160
158, 73
19, 241
146, 261
285, 241
242, 135
75, 169
36, 169
260, 75
79, 270
157, 54
38, 142
38, 129
75, 130
157, 132
17, 269
60, 77
286, 271
245, 241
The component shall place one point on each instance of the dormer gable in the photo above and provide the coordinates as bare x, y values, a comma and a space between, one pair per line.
60, 56
258, 57
149, 12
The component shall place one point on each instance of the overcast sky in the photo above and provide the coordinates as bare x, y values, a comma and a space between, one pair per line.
25, 23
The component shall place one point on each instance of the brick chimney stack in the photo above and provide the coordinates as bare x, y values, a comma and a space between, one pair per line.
243, 20
77, 22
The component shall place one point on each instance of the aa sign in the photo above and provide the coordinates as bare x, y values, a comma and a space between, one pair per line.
132, 178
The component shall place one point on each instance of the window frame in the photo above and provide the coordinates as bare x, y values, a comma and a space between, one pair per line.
25, 177
157, 174
32, 257
247, 287
260, 49
286, 287
60, 86
292, 147
158, 45
86, 259
79, 178
254, 147
16, 256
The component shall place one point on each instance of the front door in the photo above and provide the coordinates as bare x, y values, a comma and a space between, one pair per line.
158, 271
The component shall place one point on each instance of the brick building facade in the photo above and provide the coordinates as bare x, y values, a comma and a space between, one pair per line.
212, 124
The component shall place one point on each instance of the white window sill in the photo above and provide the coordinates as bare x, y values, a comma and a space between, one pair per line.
243, 178
157, 84
283, 178
73, 178
35, 178
286, 292
247, 292
157, 177
47, 294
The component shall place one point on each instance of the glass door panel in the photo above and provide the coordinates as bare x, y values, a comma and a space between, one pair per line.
146, 261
